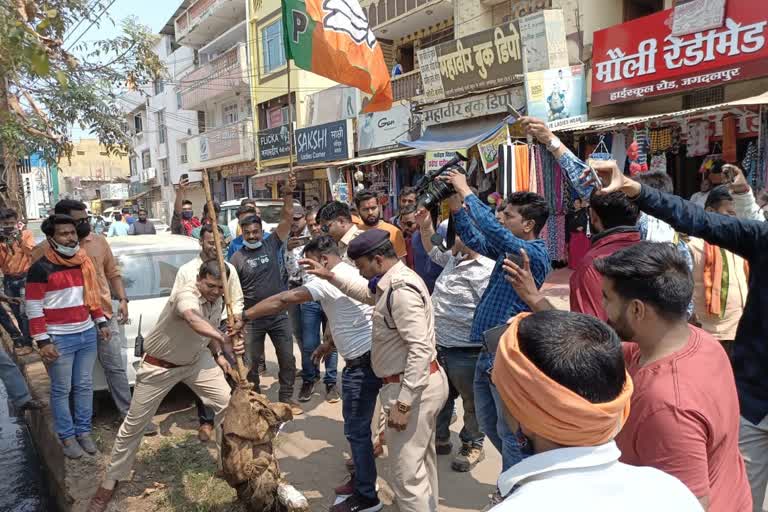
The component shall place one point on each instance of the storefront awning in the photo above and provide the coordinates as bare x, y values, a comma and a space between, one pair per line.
596, 125
458, 135
361, 159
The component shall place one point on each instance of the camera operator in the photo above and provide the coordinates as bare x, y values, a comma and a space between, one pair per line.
524, 217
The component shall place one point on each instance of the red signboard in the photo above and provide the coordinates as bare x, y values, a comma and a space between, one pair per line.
642, 58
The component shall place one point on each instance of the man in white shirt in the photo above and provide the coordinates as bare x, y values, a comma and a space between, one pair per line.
570, 414
186, 276
350, 325
458, 290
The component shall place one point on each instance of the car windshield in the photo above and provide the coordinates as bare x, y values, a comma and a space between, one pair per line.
147, 276
269, 213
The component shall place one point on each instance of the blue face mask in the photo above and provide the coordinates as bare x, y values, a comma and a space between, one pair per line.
65, 251
372, 284
252, 245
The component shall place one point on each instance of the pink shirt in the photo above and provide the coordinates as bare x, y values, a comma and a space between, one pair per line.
685, 421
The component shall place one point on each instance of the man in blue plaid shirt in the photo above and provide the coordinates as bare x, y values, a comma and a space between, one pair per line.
523, 219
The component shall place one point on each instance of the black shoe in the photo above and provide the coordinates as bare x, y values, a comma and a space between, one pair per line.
307, 389
331, 394
443, 447
357, 503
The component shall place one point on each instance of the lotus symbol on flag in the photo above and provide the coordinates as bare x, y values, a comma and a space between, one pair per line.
348, 17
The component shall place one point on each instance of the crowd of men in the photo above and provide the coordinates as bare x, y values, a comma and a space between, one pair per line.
648, 393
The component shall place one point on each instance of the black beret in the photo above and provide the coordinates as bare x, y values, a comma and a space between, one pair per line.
366, 242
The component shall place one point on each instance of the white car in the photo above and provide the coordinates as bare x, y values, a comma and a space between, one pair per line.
149, 264
270, 213
161, 227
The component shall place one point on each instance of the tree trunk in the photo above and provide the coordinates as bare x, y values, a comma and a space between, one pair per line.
12, 197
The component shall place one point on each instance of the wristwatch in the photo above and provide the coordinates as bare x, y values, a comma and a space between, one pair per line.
403, 408
218, 354
554, 145
123, 299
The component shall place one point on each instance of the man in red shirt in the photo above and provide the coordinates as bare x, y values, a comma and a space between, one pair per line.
685, 411
612, 219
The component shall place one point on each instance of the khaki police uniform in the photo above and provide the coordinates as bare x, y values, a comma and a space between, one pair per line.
179, 354
403, 354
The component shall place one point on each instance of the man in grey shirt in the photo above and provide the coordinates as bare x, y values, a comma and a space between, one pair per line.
457, 292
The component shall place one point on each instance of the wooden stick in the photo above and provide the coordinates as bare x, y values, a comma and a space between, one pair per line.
242, 371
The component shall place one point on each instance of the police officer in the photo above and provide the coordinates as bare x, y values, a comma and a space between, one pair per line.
403, 355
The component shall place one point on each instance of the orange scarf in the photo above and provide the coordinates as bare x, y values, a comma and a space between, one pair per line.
522, 168
91, 294
716, 279
549, 409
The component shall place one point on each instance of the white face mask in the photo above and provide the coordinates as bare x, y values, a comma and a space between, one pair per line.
252, 245
65, 251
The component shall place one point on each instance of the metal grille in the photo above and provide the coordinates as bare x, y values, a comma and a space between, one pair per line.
704, 97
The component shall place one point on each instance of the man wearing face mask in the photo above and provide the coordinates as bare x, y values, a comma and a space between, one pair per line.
183, 221
458, 291
403, 355
16, 254
63, 300
258, 264
142, 226
114, 303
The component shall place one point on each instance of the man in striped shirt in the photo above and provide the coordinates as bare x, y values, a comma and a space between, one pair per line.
64, 308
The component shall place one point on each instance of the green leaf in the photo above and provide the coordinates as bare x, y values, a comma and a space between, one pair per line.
43, 24
40, 63
52, 13
61, 77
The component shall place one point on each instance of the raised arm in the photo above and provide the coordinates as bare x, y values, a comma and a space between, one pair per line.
468, 231
277, 303
286, 215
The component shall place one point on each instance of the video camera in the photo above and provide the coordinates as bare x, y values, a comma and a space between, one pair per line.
430, 190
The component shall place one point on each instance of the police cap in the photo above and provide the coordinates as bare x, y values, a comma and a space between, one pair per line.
367, 242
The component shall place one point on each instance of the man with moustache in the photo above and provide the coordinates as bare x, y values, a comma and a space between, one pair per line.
368, 208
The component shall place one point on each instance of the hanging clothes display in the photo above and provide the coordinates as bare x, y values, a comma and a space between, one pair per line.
522, 167
658, 163
533, 185
749, 164
729, 139
619, 149
661, 139
698, 138
641, 137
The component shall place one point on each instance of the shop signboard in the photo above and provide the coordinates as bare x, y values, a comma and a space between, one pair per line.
473, 106
543, 35
487, 59
557, 96
382, 131
436, 159
274, 143
324, 142
642, 58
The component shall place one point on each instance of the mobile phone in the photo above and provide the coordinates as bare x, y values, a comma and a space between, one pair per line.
515, 257
194, 176
492, 336
596, 181
302, 239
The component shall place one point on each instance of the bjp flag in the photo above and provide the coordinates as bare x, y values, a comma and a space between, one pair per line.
332, 38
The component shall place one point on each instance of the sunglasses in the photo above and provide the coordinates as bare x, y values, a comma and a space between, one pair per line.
325, 228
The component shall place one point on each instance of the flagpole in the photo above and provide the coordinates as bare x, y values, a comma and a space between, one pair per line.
290, 122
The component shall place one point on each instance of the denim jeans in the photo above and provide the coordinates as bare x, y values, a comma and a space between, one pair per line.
14, 382
359, 389
15, 287
294, 316
279, 330
459, 365
72, 373
490, 414
110, 355
311, 324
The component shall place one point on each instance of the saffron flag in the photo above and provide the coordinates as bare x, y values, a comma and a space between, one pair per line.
332, 38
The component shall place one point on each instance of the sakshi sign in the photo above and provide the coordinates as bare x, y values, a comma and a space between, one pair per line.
557, 95
642, 58
383, 131
324, 142
488, 59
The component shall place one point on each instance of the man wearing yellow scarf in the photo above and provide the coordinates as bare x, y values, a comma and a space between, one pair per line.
561, 375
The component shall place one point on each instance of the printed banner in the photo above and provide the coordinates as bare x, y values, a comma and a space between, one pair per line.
473, 106
643, 58
489, 149
436, 159
382, 131
557, 96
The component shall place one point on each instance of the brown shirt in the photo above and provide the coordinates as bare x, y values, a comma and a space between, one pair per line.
172, 339
403, 342
395, 236
97, 247
17, 261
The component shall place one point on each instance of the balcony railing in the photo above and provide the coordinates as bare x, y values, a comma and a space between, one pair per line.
406, 86
223, 145
224, 74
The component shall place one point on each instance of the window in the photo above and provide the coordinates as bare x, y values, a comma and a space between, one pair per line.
178, 100
200, 121
272, 42
137, 124
229, 114
165, 171
634, 9
159, 85
146, 160
133, 166
182, 152
161, 130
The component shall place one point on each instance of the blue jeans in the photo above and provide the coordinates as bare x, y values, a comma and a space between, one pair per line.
359, 389
459, 365
72, 373
490, 414
14, 381
15, 287
311, 320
